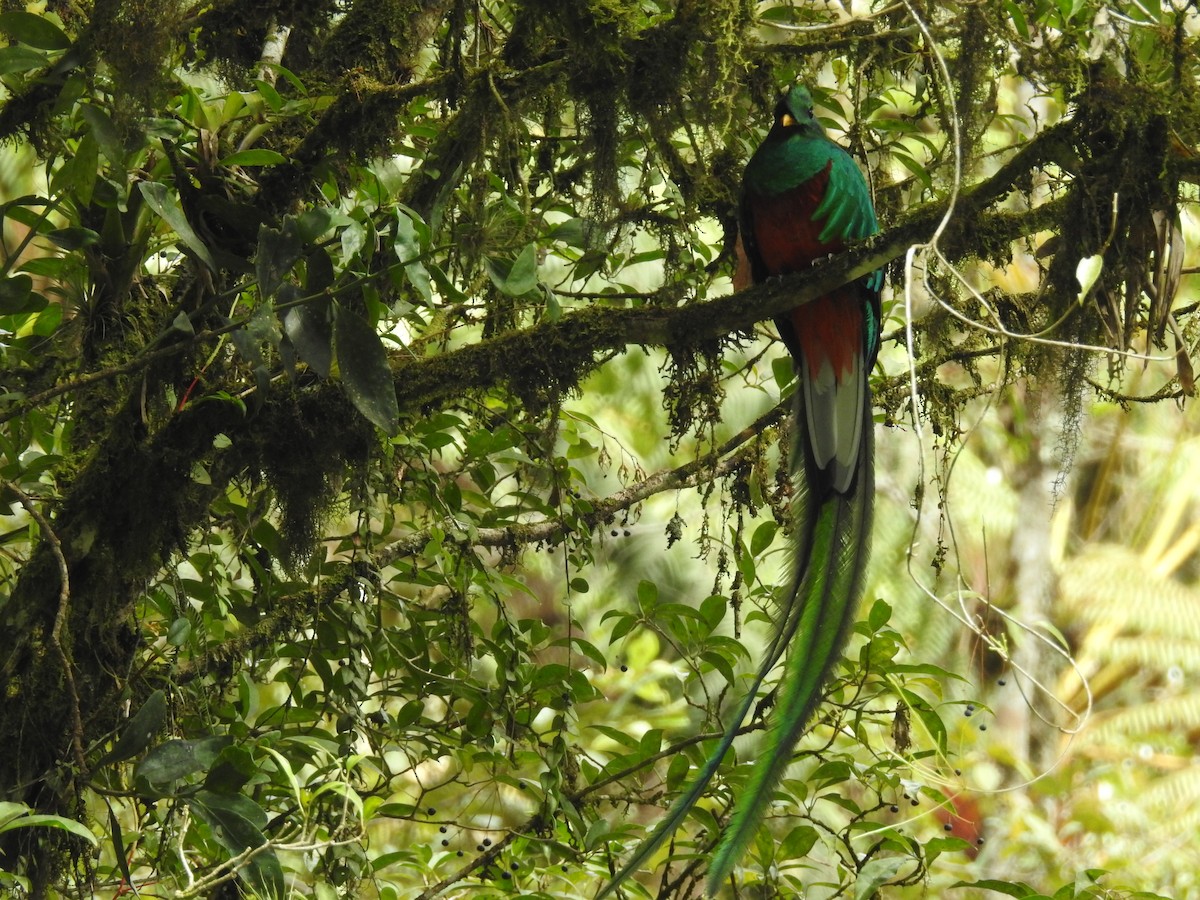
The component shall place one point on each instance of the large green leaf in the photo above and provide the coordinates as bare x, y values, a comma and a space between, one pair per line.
176, 759
16, 294
236, 823
158, 198
518, 277
137, 732
308, 327
278, 251
257, 157
363, 365
36, 31
875, 873
16, 58
17, 815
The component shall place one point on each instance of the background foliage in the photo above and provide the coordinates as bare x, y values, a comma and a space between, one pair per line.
392, 495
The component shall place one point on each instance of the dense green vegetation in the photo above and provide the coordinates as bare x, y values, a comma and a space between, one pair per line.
393, 502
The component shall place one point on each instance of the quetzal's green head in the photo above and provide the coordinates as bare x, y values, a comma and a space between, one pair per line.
794, 114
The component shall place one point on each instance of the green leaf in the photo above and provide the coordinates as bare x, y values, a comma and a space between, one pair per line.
677, 771
880, 613
935, 847
1018, 19
876, 873
713, 609
182, 323
278, 251
104, 132
141, 727
517, 278
913, 166
720, 663
48, 821
798, 842
10, 811
260, 157
783, 371
1012, 889
522, 277
571, 232
15, 294
16, 58
118, 842
318, 270
763, 537
179, 632
236, 823
308, 327
34, 30
363, 365
616, 735
934, 726
647, 595
159, 199
407, 243
596, 833
270, 96
176, 759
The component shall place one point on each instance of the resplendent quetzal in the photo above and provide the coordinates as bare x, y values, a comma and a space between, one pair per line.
804, 198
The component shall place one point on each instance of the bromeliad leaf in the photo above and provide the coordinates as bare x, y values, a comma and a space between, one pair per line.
363, 365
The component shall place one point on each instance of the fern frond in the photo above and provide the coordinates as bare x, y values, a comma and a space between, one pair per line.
1152, 652
1112, 585
1173, 714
